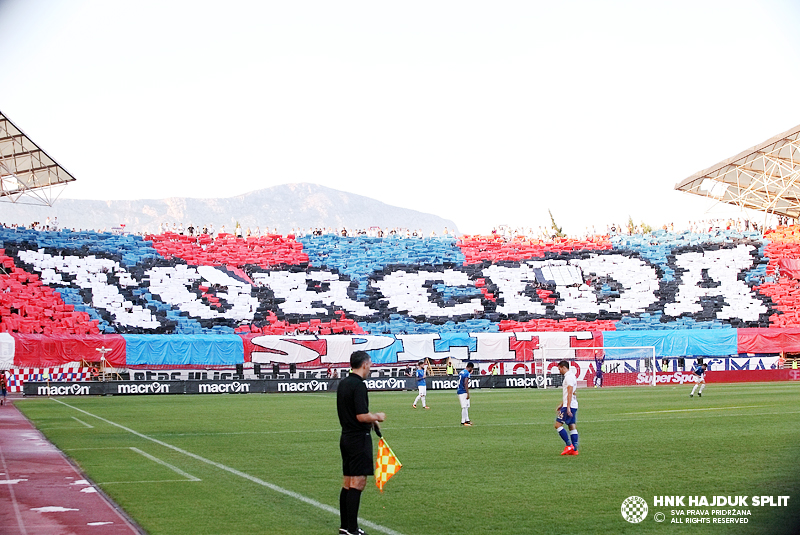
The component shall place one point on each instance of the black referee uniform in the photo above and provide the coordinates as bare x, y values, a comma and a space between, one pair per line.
356, 440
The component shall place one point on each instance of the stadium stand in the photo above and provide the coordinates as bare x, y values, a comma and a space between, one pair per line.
171, 301
90, 282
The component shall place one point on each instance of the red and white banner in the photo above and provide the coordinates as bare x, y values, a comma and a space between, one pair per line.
16, 377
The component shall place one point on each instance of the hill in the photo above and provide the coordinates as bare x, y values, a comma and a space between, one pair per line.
281, 207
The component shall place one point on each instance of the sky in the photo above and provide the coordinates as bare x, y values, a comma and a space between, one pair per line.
482, 113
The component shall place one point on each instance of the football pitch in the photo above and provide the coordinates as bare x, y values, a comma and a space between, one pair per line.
269, 463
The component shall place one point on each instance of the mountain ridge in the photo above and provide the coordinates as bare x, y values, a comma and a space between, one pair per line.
283, 207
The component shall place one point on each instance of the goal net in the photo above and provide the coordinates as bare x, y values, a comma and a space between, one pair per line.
598, 366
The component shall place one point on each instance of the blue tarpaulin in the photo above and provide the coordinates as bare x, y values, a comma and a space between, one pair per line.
689, 343
183, 350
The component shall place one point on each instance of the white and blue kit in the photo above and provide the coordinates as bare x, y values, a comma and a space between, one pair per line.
421, 378
568, 402
698, 371
463, 378
569, 380
422, 387
699, 375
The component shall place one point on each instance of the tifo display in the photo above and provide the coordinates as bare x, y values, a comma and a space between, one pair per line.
182, 302
90, 283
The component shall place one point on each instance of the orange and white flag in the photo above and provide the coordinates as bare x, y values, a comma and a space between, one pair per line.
387, 464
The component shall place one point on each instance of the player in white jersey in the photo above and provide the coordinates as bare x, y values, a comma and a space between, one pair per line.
566, 413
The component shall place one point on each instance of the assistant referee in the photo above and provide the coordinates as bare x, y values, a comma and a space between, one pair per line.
352, 404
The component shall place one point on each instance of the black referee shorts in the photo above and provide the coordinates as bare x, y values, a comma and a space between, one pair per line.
357, 455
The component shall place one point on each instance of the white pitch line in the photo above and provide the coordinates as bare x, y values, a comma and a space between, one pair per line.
189, 477
258, 481
703, 409
82, 422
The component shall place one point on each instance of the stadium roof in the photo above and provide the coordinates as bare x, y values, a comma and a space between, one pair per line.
765, 177
28, 175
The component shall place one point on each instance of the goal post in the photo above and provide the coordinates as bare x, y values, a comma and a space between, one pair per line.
598, 365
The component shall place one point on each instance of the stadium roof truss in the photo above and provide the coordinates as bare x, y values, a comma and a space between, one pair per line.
765, 177
27, 174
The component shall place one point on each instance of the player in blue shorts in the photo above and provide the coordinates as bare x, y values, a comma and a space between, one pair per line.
699, 375
463, 393
566, 413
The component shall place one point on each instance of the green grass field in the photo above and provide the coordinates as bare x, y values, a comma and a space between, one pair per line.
209, 464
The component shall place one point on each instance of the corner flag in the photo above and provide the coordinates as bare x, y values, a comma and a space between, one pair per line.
387, 464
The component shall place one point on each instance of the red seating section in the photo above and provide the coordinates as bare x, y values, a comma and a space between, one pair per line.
264, 251
38, 309
479, 248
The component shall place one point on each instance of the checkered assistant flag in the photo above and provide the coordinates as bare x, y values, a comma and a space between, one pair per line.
387, 464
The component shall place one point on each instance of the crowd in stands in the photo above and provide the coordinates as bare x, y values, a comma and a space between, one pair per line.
541, 234
240, 232
48, 224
